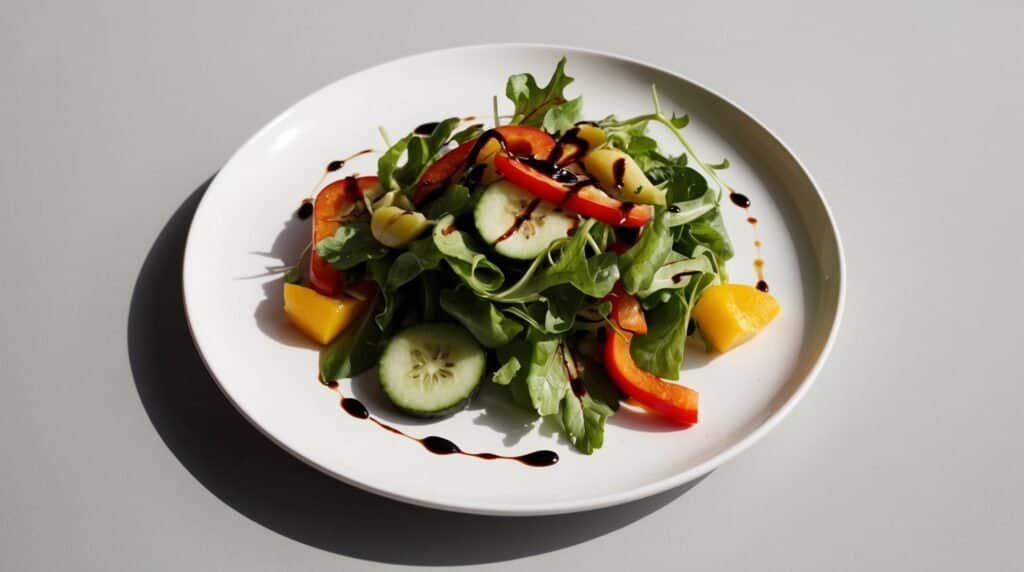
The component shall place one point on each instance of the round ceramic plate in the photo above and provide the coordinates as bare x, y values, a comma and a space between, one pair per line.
245, 224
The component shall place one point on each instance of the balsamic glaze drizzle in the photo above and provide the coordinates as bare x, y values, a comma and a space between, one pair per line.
440, 445
739, 199
521, 217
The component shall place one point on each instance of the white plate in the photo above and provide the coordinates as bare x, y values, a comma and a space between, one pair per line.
245, 224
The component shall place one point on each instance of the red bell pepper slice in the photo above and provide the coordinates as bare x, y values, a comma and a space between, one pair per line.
674, 401
588, 201
519, 139
333, 202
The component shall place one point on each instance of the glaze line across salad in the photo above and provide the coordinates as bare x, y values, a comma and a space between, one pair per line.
565, 260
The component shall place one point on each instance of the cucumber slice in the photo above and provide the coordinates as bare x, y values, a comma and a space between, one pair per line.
517, 224
431, 369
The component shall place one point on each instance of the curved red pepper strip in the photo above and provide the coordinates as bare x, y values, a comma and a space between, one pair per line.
673, 401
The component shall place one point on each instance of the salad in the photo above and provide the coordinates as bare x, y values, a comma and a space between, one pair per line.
566, 261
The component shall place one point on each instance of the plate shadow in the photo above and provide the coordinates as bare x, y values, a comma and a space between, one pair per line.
235, 462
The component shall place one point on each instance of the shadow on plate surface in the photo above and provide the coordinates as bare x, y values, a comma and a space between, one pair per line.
244, 469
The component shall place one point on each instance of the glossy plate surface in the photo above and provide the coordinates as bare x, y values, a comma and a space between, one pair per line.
245, 224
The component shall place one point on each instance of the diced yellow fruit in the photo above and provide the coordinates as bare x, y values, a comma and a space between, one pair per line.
319, 317
730, 314
620, 176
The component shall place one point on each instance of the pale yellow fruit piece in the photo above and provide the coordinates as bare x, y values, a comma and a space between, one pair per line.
592, 134
619, 175
396, 227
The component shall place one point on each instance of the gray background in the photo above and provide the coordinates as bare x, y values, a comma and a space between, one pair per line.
119, 453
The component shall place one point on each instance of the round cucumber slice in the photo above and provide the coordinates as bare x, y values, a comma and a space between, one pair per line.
517, 224
431, 369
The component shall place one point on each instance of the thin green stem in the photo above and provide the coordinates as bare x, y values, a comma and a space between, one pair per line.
384, 136
659, 117
654, 98
494, 108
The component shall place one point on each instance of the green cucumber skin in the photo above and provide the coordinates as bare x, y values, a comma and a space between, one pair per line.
394, 391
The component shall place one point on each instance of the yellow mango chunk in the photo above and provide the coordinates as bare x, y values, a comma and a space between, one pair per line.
320, 318
730, 314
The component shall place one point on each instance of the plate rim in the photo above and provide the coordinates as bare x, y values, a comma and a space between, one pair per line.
584, 504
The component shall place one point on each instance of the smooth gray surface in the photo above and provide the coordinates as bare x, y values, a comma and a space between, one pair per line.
119, 453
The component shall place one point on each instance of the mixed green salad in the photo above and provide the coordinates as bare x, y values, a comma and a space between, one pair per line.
564, 260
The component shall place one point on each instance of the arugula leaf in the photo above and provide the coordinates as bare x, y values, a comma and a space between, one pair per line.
352, 244
471, 132
594, 276
355, 350
561, 118
583, 420
678, 272
603, 235
555, 312
420, 256
472, 267
688, 211
487, 324
418, 151
294, 274
430, 306
708, 231
388, 162
379, 270
679, 121
455, 201
660, 351
686, 184
597, 383
639, 264
540, 382
533, 102
507, 372
621, 135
